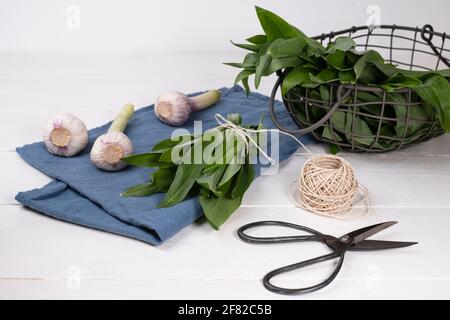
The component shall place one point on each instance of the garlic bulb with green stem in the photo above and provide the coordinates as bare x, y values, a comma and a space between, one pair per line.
174, 108
65, 135
109, 148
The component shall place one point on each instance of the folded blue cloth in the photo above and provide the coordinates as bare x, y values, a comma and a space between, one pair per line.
85, 195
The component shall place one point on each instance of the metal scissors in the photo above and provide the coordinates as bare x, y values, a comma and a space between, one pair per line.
352, 241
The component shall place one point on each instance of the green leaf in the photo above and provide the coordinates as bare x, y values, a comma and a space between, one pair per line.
281, 63
258, 39
160, 182
163, 178
244, 179
263, 64
337, 61
275, 27
417, 116
218, 209
436, 91
334, 149
140, 190
149, 160
234, 64
333, 136
368, 58
246, 86
183, 182
244, 74
342, 44
211, 178
250, 47
400, 81
297, 76
325, 76
360, 131
347, 76
288, 48
166, 144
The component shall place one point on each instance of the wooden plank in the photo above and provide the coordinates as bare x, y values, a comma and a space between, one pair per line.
104, 81
40, 252
393, 180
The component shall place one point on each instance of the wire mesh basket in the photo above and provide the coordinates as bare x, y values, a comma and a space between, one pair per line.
390, 123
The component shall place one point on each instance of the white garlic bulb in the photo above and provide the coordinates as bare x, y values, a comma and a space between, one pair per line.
109, 149
174, 107
65, 135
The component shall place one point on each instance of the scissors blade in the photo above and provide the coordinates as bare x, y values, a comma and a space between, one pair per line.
360, 235
380, 245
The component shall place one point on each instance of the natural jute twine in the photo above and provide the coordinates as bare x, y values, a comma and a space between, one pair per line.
327, 184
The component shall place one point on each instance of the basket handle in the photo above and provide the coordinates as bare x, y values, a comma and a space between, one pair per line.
427, 36
316, 125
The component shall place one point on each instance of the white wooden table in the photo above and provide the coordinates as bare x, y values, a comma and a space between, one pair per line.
44, 258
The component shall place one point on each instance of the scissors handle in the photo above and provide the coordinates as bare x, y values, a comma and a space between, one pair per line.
315, 235
302, 264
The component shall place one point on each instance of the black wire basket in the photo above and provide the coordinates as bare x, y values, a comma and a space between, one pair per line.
409, 48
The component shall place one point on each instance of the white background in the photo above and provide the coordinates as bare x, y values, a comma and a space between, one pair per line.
187, 26
131, 51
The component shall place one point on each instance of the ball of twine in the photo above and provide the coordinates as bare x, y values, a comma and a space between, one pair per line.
327, 185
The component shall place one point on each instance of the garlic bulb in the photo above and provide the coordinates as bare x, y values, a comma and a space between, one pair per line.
109, 148
174, 108
65, 135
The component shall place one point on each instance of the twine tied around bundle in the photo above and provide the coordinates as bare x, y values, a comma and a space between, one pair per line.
327, 184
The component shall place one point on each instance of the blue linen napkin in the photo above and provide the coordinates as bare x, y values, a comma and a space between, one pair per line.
82, 194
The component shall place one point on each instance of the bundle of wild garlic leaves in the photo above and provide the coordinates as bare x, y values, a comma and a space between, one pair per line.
216, 166
311, 65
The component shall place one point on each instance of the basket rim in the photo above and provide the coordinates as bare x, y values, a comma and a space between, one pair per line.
371, 28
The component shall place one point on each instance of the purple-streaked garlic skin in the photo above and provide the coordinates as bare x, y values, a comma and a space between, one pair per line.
109, 149
65, 135
173, 108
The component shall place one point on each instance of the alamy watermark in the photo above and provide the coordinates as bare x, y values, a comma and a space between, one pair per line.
73, 20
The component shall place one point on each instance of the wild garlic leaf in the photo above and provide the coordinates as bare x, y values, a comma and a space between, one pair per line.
149, 160
184, 180
243, 181
288, 48
281, 63
400, 81
243, 75
218, 209
159, 182
234, 157
296, 77
342, 44
264, 62
436, 91
211, 179
275, 27
140, 190
417, 116
250, 47
337, 61
166, 144
257, 39
360, 131
369, 57
325, 76
235, 64
347, 76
